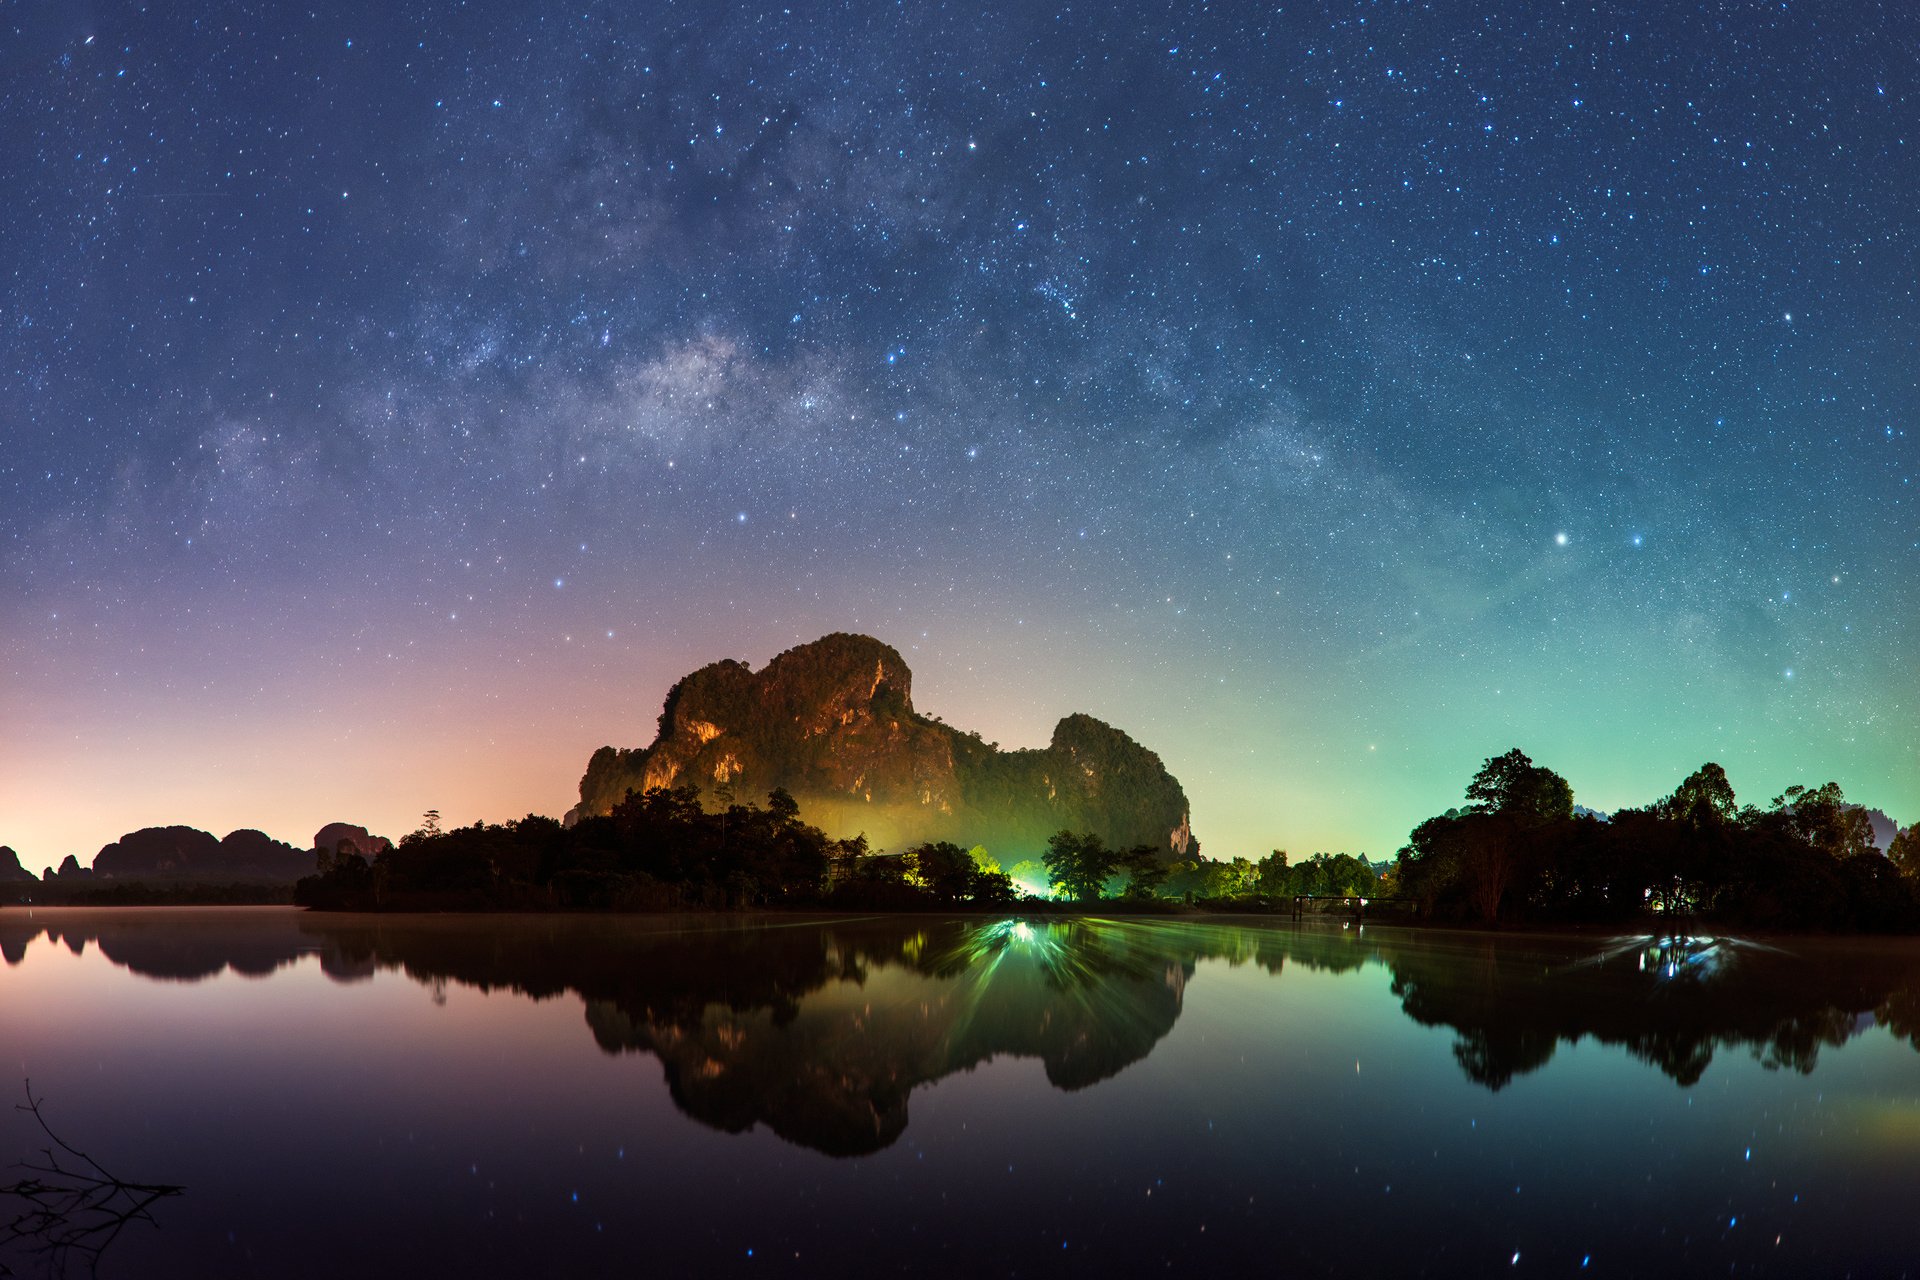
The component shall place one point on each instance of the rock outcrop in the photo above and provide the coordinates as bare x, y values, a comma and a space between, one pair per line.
344, 837
833, 723
10, 868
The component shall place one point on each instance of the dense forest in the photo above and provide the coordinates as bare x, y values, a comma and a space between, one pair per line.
1515, 852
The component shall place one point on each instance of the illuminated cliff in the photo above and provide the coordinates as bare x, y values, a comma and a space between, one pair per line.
833, 723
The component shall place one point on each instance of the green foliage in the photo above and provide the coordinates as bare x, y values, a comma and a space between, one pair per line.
1324, 875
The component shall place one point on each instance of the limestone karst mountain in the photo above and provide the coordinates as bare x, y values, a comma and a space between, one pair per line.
833, 723
186, 853
10, 868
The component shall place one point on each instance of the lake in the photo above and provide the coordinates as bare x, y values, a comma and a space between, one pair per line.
591, 1095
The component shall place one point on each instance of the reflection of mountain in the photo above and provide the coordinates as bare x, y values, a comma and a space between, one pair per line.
822, 1029
819, 1031
183, 945
834, 1071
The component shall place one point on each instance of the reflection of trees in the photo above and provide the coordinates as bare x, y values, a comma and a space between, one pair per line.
1672, 1003
821, 1029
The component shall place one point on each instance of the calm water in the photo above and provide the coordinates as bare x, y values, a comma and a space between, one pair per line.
596, 1096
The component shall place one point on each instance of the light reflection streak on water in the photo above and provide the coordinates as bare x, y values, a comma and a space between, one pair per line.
1679, 957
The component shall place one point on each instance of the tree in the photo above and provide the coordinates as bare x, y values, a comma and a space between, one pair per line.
1704, 799
429, 824
782, 805
946, 871
1822, 818
1276, 880
1516, 787
1146, 871
1488, 863
1904, 852
1078, 863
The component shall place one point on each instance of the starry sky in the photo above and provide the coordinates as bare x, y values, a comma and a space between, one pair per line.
396, 398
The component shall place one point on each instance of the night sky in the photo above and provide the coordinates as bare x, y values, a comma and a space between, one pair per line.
396, 398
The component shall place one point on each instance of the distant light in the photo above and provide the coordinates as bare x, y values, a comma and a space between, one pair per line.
1560, 539
559, 583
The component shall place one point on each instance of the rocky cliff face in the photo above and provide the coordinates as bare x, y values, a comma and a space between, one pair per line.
833, 723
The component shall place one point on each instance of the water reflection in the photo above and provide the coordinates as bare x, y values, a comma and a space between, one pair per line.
821, 1030
1670, 1002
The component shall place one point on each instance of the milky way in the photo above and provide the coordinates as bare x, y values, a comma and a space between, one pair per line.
398, 397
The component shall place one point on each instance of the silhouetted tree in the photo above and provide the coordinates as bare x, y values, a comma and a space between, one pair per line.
1146, 871
1079, 864
1515, 786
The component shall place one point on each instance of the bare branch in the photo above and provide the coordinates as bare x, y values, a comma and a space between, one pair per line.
72, 1208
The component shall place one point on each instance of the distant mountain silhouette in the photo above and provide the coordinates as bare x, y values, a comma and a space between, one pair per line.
833, 723
10, 869
1884, 827
186, 853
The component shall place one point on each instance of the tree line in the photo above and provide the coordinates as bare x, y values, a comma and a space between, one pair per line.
663, 850
1516, 850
